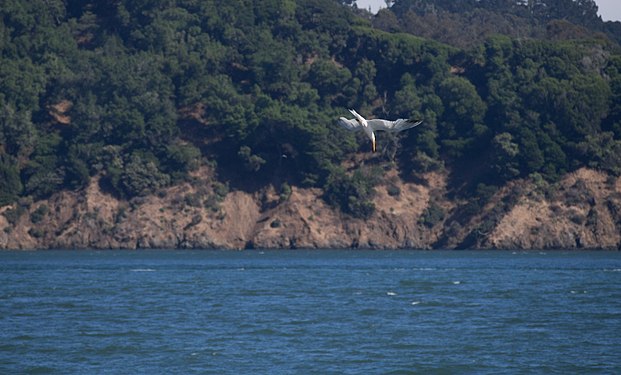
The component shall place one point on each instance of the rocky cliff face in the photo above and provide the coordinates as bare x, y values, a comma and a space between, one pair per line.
581, 211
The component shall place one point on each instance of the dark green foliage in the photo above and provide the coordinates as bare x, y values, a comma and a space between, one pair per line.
10, 182
353, 194
393, 190
36, 232
13, 215
466, 22
504, 151
432, 215
251, 162
263, 83
463, 114
181, 159
285, 192
139, 176
220, 190
39, 214
192, 200
43, 173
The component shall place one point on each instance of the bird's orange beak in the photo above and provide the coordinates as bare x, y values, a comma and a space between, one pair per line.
373, 145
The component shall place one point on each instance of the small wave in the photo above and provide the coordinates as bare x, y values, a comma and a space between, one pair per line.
391, 293
414, 303
438, 269
456, 282
142, 270
578, 292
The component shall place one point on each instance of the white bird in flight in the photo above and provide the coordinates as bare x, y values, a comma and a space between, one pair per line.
371, 126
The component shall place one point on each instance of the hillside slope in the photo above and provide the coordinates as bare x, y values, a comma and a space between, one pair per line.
582, 211
212, 124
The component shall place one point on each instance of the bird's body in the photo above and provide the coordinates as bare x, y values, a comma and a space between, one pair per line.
371, 126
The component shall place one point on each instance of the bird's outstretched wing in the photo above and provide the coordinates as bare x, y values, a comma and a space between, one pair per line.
393, 126
350, 125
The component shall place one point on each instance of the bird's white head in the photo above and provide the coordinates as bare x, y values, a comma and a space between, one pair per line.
367, 129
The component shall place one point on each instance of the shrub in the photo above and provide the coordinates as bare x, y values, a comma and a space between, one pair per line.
12, 215
285, 192
432, 215
10, 182
37, 215
220, 190
393, 190
192, 200
251, 162
353, 194
141, 176
181, 158
36, 232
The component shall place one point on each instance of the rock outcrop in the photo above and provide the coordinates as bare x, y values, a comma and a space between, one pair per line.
582, 211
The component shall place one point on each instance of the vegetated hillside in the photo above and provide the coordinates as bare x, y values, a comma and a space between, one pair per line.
136, 100
470, 22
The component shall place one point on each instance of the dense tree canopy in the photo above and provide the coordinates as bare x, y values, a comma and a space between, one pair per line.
143, 92
469, 22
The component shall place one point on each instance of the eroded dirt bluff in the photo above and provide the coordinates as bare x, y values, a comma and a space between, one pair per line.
581, 211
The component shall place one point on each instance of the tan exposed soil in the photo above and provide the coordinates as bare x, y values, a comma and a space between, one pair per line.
581, 211
579, 214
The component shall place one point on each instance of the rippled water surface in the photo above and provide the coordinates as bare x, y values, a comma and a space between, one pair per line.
303, 312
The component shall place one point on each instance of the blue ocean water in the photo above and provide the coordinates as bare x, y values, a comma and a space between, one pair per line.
309, 312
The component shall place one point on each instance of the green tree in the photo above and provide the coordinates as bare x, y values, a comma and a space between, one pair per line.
10, 182
141, 176
353, 194
504, 152
461, 122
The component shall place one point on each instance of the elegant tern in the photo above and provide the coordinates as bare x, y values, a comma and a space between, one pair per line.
371, 126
